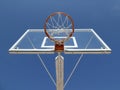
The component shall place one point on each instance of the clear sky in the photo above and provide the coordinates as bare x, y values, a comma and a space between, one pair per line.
25, 72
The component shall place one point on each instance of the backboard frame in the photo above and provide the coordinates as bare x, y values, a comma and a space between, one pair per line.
106, 50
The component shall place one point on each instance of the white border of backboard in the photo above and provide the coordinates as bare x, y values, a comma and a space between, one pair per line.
105, 50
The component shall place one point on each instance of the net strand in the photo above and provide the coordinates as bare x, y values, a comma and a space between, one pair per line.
69, 26
59, 16
66, 19
52, 23
48, 24
55, 21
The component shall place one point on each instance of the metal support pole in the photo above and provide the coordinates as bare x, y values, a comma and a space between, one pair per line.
59, 72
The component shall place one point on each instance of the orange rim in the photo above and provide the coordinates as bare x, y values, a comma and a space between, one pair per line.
52, 15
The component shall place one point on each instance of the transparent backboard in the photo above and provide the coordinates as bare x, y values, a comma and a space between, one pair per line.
83, 41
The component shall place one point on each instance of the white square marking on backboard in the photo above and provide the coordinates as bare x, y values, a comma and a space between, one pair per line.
69, 46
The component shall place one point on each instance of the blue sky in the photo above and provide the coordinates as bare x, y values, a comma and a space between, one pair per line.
25, 72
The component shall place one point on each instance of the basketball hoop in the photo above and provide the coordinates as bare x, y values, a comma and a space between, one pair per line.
59, 27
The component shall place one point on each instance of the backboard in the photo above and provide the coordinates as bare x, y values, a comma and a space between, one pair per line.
83, 41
